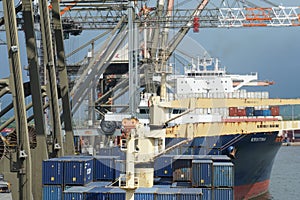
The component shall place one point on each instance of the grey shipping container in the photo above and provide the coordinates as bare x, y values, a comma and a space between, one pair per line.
51, 192
223, 174
202, 173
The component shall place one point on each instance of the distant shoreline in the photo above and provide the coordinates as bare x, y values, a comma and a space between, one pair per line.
291, 144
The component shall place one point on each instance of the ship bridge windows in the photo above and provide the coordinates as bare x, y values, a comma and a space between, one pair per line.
177, 111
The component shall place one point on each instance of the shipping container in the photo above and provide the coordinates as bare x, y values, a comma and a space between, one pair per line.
76, 193
262, 112
233, 111
163, 166
116, 151
190, 194
249, 111
78, 170
98, 193
104, 168
223, 174
202, 173
241, 112
145, 194
51, 192
182, 168
167, 194
206, 193
52, 172
223, 194
274, 110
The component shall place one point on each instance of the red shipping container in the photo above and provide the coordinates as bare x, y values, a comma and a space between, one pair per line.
233, 111
241, 112
274, 110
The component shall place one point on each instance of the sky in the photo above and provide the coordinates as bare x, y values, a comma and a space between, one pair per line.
272, 52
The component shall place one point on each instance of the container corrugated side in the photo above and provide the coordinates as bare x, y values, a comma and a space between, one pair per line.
207, 193
51, 192
190, 194
223, 194
163, 166
76, 193
223, 174
105, 169
145, 194
167, 194
202, 173
52, 172
98, 193
78, 170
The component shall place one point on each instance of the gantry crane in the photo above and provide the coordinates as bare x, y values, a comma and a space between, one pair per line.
110, 15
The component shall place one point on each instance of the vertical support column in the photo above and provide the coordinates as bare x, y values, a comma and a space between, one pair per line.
63, 79
40, 153
17, 90
130, 59
58, 149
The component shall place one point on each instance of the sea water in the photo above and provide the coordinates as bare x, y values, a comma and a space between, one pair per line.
285, 176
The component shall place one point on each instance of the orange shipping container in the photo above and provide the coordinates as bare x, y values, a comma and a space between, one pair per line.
274, 110
241, 112
233, 111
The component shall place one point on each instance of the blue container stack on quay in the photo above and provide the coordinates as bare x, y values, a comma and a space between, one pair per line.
61, 173
184, 177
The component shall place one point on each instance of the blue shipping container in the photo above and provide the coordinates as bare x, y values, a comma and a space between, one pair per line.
223, 174
78, 170
98, 193
190, 194
51, 192
105, 169
52, 172
145, 194
163, 166
202, 173
76, 193
207, 193
167, 193
223, 194
249, 111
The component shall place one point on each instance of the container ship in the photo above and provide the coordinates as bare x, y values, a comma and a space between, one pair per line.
210, 139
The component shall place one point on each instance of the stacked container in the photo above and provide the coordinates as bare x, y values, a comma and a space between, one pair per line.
59, 173
105, 168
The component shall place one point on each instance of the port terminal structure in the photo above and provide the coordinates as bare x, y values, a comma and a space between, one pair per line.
21, 157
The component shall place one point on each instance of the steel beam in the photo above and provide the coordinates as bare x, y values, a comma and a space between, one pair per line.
51, 79
40, 153
63, 79
16, 85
